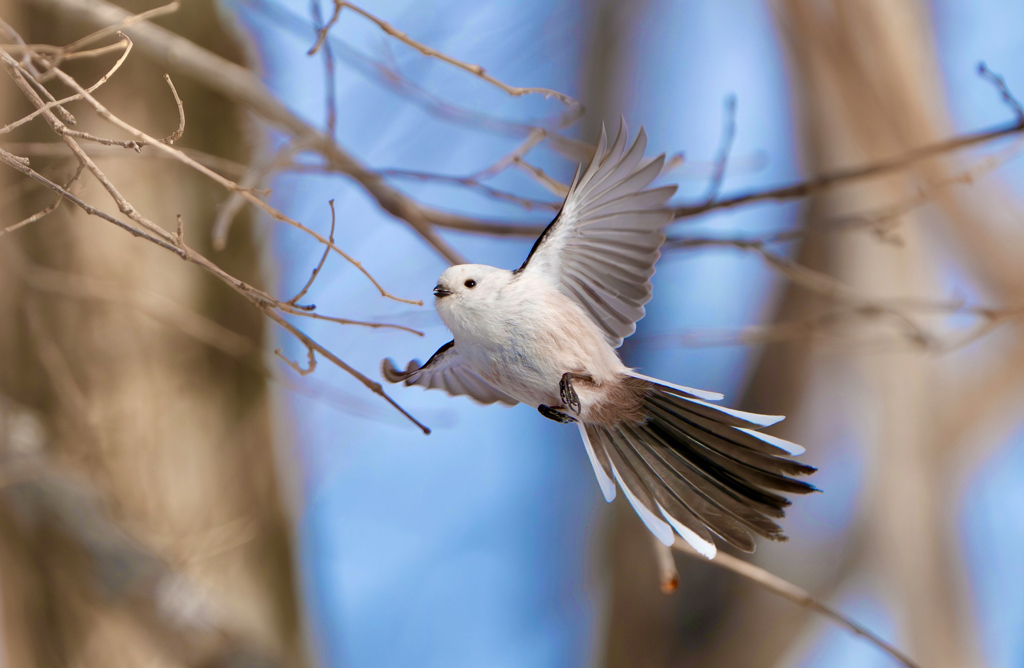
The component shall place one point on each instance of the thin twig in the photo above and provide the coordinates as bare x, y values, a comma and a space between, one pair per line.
842, 177
229, 168
48, 210
1001, 86
787, 590
329, 89
294, 301
260, 299
553, 185
251, 177
472, 183
13, 161
668, 574
477, 70
311, 356
728, 135
114, 28
344, 321
104, 113
176, 135
372, 385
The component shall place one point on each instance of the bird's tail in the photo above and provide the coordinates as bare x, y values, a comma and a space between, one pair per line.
693, 468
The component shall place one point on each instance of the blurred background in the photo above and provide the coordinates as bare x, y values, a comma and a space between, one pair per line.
173, 493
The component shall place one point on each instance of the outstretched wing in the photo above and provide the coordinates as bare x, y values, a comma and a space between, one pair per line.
601, 248
446, 370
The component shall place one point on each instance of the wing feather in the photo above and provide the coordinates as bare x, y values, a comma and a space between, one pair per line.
601, 249
446, 370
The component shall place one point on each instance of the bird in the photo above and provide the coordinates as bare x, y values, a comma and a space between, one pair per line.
546, 335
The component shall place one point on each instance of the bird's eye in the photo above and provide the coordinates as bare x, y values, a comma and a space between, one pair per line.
470, 283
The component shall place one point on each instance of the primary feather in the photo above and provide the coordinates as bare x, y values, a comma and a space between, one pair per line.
601, 249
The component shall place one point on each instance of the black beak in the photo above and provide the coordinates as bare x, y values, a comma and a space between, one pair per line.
441, 291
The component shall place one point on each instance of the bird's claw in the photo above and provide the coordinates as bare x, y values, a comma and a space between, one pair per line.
568, 392
556, 415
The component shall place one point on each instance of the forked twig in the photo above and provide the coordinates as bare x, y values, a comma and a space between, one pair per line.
294, 301
1003, 89
48, 210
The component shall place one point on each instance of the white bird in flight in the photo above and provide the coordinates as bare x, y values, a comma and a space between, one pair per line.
546, 335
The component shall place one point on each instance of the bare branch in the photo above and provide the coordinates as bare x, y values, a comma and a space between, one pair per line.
116, 27
316, 270
227, 167
230, 185
842, 177
176, 135
127, 44
330, 94
554, 186
1001, 86
251, 178
263, 301
242, 85
728, 135
48, 210
787, 590
16, 72
13, 161
372, 385
472, 183
295, 365
433, 53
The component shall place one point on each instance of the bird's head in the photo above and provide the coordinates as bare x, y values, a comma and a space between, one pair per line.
466, 288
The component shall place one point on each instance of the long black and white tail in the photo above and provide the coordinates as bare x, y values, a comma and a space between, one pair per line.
693, 468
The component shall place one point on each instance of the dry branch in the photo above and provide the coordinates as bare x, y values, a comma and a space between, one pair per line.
842, 177
433, 53
790, 591
144, 227
240, 84
178, 54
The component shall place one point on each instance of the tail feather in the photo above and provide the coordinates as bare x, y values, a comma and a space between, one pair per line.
636, 491
751, 513
703, 509
703, 445
669, 505
599, 460
701, 467
682, 446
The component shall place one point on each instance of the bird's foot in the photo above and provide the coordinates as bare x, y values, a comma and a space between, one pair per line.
568, 392
556, 415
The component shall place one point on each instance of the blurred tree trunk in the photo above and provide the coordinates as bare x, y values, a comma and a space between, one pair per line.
869, 88
148, 377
